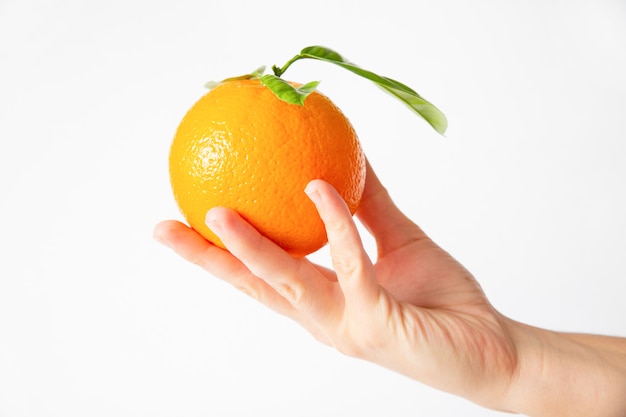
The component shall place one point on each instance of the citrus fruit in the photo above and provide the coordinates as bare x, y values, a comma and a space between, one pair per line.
241, 147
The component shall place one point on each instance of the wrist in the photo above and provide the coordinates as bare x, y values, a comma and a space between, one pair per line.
560, 374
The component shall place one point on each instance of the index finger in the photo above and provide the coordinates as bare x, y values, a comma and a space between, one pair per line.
295, 279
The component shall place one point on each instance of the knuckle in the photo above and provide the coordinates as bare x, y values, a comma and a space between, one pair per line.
249, 290
291, 291
335, 227
346, 263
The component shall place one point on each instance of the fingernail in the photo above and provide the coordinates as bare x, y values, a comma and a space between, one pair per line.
213, 224
312, 191
161, 239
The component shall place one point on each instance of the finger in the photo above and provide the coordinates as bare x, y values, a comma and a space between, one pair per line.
295, 279
190, 245
383, 219
355, 272
193, 247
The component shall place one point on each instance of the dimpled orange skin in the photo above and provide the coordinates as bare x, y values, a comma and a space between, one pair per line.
243, 148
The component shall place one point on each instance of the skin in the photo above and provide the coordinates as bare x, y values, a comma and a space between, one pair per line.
416, 311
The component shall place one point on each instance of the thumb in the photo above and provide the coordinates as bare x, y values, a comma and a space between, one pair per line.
383, 219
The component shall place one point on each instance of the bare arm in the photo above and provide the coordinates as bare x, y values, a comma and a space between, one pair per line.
567, 374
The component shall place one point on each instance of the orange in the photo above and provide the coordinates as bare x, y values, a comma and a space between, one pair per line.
241, 147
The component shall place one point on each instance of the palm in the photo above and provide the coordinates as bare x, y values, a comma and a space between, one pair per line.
434, 291
453, 317
410, 265
427, 278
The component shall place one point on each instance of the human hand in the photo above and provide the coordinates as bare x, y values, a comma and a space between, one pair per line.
416, 311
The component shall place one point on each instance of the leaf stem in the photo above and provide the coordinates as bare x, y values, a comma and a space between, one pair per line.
280, 71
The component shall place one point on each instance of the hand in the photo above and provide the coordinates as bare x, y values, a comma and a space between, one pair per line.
416, 310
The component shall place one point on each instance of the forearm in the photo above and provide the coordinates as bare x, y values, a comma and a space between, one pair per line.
564, 374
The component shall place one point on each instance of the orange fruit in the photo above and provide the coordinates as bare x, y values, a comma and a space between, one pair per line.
241, 147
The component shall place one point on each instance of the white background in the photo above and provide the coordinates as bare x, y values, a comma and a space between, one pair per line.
527, 189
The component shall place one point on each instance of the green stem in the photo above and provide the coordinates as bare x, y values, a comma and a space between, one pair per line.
280, 71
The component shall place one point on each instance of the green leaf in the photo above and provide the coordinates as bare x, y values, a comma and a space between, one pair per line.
408, 96
322, 52
258, 73
287, 92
